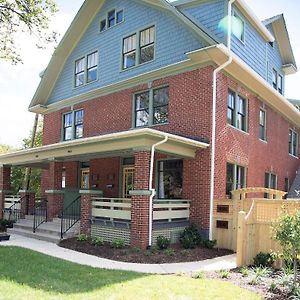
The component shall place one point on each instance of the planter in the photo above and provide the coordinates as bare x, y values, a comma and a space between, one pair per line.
4, 237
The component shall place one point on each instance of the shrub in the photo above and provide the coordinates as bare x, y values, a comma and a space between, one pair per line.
169, 252
163, 242
210, 244
190, 237
98, 241
244, 271
118, 243
273, 287
82, 237
263, 260
224, 274
199, 275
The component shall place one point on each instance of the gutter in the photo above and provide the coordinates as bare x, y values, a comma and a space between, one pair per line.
213, 135
151, 188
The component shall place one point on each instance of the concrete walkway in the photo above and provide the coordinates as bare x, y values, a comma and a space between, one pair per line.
225, 262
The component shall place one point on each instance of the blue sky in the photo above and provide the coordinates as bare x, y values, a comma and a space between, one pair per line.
18, 83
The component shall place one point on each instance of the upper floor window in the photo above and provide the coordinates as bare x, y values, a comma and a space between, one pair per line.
237, 111
271, 181
277, 81
86, 69
151, 107
238, 27
293, 142
73, 125
138, 50
113, 17
262, 125
235, 178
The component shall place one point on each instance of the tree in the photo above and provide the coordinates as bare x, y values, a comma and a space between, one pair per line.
287, 233
31, 16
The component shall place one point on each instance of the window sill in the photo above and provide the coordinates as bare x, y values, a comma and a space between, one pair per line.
112, 27
263, 141
293, 156
237, 129
85, 84
138, 65
149, 126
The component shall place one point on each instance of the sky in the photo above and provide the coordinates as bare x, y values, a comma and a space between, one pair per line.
18, 83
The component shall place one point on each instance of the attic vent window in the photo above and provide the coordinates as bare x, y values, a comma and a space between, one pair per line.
113, 18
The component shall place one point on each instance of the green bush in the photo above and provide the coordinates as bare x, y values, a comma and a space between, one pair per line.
98, 241
263, 260
190, 237
82, 238
118, 243
163, 242
210, 244
169, 252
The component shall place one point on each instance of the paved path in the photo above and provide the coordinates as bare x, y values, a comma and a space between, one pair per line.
225, 262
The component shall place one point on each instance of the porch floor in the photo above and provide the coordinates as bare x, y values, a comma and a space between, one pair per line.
225, 262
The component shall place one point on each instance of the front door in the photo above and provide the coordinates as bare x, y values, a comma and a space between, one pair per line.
85, 178
128, 181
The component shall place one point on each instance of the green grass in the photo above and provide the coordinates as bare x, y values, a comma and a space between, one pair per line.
25, 274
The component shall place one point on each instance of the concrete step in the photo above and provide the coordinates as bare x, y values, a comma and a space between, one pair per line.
39, 236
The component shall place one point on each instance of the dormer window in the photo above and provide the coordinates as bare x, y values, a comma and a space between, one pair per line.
113, 18
86, 69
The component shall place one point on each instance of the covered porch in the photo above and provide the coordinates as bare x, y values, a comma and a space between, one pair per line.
124, 185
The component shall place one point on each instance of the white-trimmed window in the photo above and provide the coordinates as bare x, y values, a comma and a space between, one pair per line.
237, 111
113, 18
73, 125
86, 69
277, 81
238, 27
262, 125
271, 180
235, 177
138, 48
293, 142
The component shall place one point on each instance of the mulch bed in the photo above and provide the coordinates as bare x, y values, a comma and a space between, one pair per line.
176, 253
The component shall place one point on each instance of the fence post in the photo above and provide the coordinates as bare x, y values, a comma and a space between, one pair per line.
240, 250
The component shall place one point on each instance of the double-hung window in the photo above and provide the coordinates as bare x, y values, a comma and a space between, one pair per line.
271, 181
129, 52
277, 81
151, 107
170, 179
73, 125
235, 178
293, 142
262, 125
237, 111
138, 48
86, 69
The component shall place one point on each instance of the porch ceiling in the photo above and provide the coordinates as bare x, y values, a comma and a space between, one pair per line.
105, 145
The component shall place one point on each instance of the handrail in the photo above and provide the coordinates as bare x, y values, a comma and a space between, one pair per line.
70, 216
40, 213
16, 212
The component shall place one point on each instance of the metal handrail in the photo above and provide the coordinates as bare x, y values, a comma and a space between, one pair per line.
16, 212
40, 213
70, 216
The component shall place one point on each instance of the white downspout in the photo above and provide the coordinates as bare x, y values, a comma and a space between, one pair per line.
213, 135
150, 186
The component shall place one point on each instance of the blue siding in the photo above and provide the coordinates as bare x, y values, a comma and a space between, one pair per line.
208, 14
173, 40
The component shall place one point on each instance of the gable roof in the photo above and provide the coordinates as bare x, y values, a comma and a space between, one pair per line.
282, 37
246, 11
81, 22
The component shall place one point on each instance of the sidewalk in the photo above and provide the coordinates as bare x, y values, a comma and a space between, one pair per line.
225, 262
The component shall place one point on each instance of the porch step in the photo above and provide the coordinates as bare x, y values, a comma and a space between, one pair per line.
49, 231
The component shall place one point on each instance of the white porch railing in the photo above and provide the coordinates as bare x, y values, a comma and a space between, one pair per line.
120, 209
10, 200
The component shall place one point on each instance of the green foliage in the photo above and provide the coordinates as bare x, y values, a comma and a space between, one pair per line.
224, 274
244, 271
163, 242
199, 275
31, 16
98, 241
169, 252
263, 260
83, 238
273, 287
190, 237
287, 234
294, 293
118, 243
210, 244
259, 274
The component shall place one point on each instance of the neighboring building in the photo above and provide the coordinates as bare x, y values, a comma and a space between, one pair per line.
131, 74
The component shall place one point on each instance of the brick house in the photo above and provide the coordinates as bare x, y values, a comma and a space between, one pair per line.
154, 109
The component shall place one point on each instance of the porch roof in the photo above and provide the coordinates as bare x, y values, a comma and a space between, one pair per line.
104, 145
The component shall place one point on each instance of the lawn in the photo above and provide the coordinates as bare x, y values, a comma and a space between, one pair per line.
25, 274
